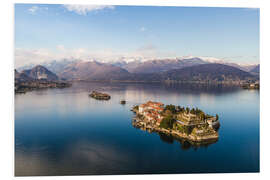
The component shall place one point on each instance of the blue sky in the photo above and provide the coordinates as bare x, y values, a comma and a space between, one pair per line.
56, 31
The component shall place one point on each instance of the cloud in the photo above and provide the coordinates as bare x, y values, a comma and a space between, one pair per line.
60, 47
142, 29
84, 9
29, 56
33, 9
37, 56
148, 51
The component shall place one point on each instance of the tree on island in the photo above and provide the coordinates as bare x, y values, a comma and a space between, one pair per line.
167, 122
202, 116
185, 129
192, 111
217, 117
198, 111
180, 109
171, 108
187, 110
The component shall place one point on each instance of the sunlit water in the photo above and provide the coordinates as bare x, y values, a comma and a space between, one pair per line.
65, 132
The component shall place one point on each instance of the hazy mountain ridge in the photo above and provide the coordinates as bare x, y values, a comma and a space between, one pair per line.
40, 72
36, 73
185, 69
256, 69
140, 65
93, 71
208, 72
155, 66
200, 73
54, 66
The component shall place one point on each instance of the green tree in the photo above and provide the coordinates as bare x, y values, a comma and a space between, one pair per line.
167, 122
171, 108
187, 109
202, 115
217, 117
185, 129
192, 111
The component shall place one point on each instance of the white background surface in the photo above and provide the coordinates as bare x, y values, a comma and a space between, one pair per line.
7, 89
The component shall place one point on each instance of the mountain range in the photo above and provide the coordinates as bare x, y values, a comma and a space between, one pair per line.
137, 65
93, 71
255, 70
207, 72
184, 69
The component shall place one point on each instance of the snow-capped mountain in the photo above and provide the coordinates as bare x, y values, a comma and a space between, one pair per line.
143, 65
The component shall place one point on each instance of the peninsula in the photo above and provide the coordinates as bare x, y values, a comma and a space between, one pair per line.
99, 95
180, 122
23, 87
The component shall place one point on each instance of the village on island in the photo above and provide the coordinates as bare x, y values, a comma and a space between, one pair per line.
191, 124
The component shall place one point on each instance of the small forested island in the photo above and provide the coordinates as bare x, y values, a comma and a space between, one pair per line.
99, 95
180, 122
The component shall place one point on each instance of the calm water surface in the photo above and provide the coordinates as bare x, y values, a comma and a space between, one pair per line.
64, 132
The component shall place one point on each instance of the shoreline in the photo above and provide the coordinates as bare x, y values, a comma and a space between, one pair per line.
28, 86
177, 134
229, 83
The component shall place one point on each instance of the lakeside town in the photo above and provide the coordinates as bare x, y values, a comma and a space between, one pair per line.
23, 87
180, 122
250, 85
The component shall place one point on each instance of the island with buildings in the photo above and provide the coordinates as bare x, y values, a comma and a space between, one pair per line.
99, 95
191, 124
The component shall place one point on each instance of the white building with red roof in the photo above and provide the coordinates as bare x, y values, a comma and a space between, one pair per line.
152, 111
156, 106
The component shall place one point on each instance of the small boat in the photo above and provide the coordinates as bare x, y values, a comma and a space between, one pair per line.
123, 102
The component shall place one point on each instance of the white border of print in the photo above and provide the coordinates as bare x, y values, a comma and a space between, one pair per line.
7, 89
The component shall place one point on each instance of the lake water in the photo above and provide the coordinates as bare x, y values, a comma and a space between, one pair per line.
65, 132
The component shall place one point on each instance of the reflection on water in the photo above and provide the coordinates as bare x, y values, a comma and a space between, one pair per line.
170, 139
77, 158
64, 132
184, 144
